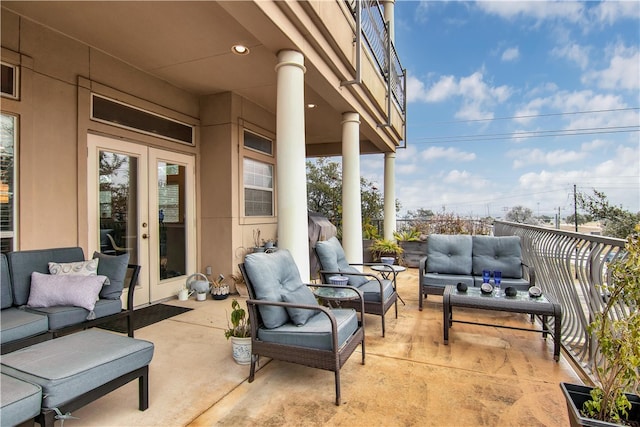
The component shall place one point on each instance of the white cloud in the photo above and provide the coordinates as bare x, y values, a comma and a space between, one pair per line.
623, 71
528, 157
510, 54
594, 145
450, 153
538, 10
608, 12
574, 53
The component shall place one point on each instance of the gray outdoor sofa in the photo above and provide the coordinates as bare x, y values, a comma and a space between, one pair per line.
453, 259
22, 325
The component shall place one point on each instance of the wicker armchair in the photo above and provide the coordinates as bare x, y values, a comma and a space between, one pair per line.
288, 324
379, 293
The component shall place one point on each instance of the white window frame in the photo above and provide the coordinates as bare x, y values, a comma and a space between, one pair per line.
15, 94
13, 234
259, 156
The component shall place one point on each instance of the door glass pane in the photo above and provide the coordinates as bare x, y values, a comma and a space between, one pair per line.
118, 205
171, 216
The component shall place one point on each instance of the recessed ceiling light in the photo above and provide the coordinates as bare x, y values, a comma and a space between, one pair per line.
240, 49
311, 106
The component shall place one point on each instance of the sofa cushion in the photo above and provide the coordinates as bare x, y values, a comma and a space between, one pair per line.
23, 263
332, 258
115, 268
497, 254
19, 400
449, 254
54, 290
79, 268
77, 363
316, 333
67, 315
302, 295
6, 295
271, 275
17, 324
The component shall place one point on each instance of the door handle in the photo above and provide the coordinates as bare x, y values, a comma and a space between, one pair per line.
145, 236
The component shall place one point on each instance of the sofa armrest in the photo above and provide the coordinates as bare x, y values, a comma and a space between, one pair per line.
530, 274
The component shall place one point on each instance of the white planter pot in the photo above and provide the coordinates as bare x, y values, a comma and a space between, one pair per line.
241, 350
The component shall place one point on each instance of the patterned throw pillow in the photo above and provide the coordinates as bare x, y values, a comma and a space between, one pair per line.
80, 268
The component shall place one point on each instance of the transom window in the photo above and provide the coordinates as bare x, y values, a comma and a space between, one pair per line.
9, 85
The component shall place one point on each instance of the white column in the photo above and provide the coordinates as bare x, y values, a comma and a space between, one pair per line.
389, 16
291, 167
389, 195
351, 199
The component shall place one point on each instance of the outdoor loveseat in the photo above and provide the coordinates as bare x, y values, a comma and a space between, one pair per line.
453, 259
55, 308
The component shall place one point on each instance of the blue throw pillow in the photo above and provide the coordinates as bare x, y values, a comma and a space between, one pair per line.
302, 295
115, 268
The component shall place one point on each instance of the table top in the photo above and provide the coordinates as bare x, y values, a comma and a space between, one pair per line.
385, 267
522, 302
327, 292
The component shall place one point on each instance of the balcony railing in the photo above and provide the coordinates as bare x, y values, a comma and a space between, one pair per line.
375, 34
570, 266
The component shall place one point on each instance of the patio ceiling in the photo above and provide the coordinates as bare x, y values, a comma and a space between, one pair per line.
188, 44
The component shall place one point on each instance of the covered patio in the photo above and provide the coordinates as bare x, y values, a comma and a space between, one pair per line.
486, 376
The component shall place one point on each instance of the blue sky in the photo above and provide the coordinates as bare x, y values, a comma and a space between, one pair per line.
493, 90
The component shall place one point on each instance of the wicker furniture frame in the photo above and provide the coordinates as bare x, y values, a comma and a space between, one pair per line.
330, 360
544, 306
379, 308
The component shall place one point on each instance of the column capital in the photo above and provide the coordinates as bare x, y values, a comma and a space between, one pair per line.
290, 57
350, 117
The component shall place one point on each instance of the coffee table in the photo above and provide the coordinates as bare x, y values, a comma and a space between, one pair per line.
544, 306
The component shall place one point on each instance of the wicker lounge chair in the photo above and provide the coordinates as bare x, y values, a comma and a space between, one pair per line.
288, 324
379, 293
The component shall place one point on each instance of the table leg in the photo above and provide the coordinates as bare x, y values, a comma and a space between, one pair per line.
545, 329
446, 317
556, 336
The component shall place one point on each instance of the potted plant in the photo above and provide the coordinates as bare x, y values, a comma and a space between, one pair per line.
414, 247
384, 247
219, 290
369, 234
240, 334
617, 341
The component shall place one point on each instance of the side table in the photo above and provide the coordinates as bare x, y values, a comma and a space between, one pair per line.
386, 270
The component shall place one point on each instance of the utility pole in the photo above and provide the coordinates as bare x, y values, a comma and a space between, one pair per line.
575, 207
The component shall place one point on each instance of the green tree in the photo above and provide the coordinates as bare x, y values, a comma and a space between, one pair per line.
521, 215
616, 222
420, 213
582, 219
324, 193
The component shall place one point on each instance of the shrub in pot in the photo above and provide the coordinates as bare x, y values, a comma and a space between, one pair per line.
239, 331
617, 341
384, 247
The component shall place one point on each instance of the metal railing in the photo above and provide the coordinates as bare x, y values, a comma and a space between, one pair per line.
375, 34
571, 267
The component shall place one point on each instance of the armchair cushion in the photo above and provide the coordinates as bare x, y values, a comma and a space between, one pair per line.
449, 254
272, 275
316, 333
371, 290
497, 253
302, 295
332, 258
115, 268
6, 295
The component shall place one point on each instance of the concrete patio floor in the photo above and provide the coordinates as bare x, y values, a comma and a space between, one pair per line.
486, 376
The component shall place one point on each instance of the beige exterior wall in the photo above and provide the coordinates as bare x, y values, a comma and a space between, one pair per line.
58, 76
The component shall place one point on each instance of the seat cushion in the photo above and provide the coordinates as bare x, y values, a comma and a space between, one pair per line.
449, 254
115, 268
332, 258
271, 275
316, 333
23, 263
67, 315
371, 290
16, 324
519, 284
497, 254
441, 280
77, 363
19, 400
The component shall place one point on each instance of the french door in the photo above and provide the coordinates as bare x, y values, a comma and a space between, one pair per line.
142, 202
